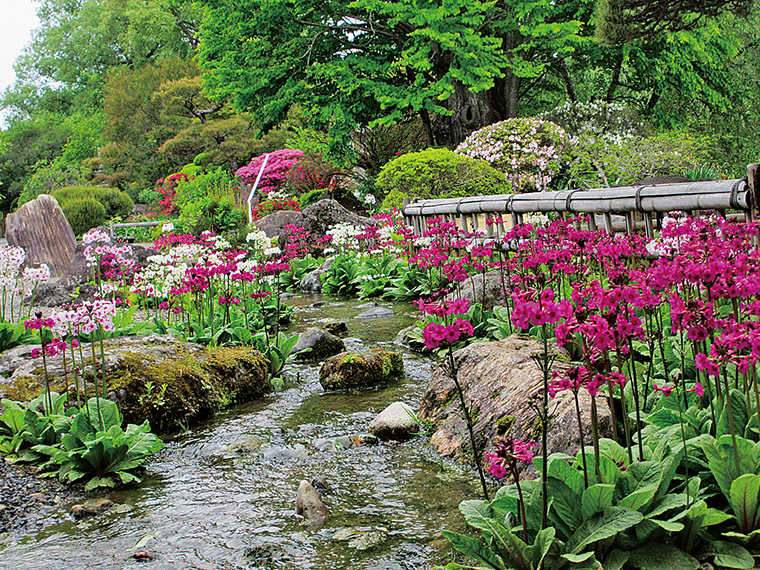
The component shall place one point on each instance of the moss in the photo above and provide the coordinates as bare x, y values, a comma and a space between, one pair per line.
195, 388
504, 424
355, 370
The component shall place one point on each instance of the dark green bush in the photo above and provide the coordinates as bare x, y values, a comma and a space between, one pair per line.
115, 202
437, 173
84, 214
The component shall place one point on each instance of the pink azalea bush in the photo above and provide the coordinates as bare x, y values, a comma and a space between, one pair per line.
276, 172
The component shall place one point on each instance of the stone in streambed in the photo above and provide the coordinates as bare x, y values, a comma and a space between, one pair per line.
397, 421
360, 369
376, 313
317, 344
90, 508
309, 504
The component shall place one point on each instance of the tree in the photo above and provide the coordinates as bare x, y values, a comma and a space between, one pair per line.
78, 41
371, 62
621, 21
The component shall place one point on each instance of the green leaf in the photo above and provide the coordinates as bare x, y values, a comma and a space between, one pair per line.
658, 556
729, 554
565, 503
741, 417
596, 499
603, 525
541, 546
638, 499
616, 560
744, 501
562, 470
578, 558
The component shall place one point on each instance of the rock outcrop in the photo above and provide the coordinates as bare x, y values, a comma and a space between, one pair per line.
156, 377
360, 370
317, 344
501, 382
320, 217
42, 230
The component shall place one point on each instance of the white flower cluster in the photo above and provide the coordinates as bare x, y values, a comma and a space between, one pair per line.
258, 240
537, 219
15, 279
167, 227
344, 236
278, 195
162, 273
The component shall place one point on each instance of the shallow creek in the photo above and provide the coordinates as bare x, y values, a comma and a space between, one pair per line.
222, 495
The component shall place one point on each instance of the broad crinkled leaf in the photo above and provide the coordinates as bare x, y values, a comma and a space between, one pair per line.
603, 525
596, 499
744, 501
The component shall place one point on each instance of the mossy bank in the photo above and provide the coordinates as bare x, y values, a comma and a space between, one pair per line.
170, 383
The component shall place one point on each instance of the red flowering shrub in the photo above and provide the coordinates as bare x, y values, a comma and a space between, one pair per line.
268, 206
275, 174
167, 187
312, 173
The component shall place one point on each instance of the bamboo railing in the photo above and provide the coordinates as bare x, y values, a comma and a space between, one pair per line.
624, 208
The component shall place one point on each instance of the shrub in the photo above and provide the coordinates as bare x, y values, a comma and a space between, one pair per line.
115, 202
221, 217
312, 197
437, 173
167, 188
268, 206
84, 214
529, 151
194, 193
602, 161
276, 171
312, 173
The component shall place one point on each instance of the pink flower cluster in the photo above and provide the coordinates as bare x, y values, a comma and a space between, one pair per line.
508, 452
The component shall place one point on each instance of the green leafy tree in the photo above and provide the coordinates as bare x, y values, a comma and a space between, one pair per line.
371, 62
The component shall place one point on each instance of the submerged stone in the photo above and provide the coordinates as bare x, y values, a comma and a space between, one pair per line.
397, 421
309, 504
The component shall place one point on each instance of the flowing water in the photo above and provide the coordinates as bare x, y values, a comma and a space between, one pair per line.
222, 495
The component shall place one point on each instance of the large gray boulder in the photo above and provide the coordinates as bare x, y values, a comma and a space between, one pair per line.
320, 217
490, 294
349, 370
42, 230
312, 281
274, 224
501, 381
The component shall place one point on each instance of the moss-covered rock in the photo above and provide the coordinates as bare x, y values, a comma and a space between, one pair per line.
170, 383
359, 370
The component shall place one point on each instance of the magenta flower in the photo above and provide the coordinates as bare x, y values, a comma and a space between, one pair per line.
666, 390
698, 389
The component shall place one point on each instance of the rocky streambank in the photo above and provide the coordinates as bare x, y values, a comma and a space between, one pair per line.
26, 502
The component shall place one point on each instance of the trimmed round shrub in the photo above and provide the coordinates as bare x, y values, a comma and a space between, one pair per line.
529, 151
115, 202
437, 173
84, 214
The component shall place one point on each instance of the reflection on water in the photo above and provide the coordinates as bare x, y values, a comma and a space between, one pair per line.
223, 495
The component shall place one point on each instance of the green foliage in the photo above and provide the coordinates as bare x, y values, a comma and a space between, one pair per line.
341, 277
13, 334
194, 194
401, 58
604, 161
311, 197
223, 218
98, 450
84, 214
115, 202
437, 173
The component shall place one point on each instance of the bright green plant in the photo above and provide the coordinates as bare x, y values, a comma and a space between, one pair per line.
437, 173
341, 277
98, 450
84, 214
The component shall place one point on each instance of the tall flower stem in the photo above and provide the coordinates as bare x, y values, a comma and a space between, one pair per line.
468, 421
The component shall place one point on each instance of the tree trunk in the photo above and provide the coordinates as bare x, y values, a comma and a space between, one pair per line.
469, 112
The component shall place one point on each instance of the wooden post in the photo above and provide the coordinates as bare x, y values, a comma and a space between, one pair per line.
753, 177
608, 223
648, 225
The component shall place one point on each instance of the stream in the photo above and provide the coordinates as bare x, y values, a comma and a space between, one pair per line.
222, 495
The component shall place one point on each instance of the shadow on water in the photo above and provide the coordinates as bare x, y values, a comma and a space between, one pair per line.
223, 494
